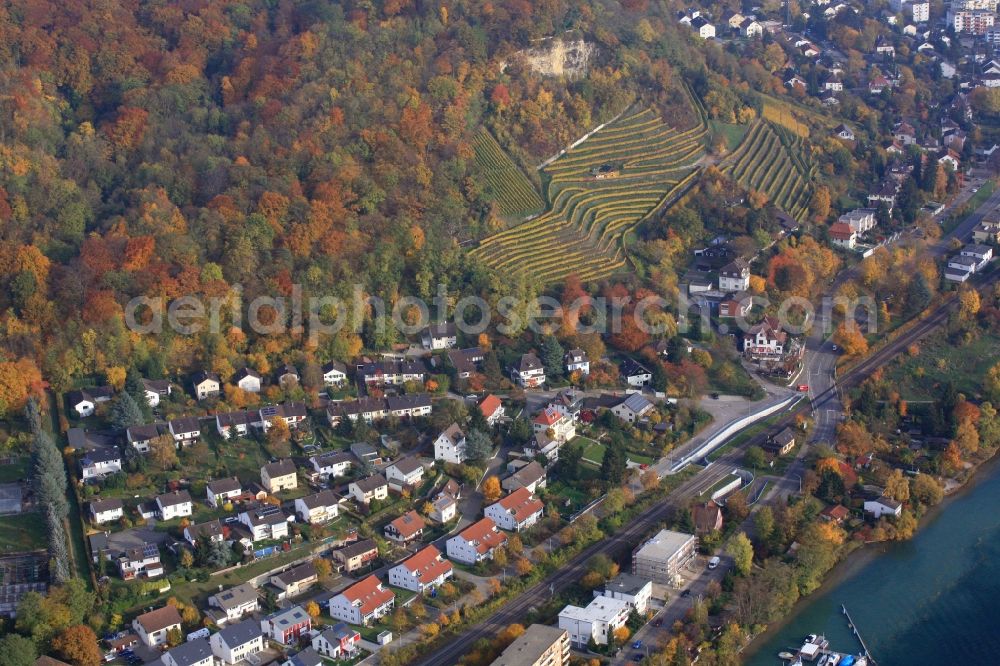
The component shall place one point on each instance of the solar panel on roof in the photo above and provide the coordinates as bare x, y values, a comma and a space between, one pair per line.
269, 411
150, 550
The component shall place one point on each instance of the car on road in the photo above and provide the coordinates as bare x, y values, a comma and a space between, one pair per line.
637, 657
833, 347
637, 645
714, 562
803, 388
686, 593
644, 466
658, 622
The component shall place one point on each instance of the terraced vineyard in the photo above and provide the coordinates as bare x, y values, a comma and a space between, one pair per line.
770, 160
588, 217
514, 194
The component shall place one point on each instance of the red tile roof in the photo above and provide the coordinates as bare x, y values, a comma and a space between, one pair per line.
489, 405
485, 535
408, 524
428, 565
548, 417
370, 593
521, 504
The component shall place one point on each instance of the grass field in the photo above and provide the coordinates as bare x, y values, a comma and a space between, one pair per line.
919, 377
734, 133
21, 532
505, 183
588, 217
772, 160
592, 449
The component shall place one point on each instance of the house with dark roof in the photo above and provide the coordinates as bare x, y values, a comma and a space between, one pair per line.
234, 603
634, 373
99, 463
210, 531
106, 510
707, 517
192, 653
318, 508
152, 627
205, 385
237, 642
354, 556
441, 335
404, 473
278, 476
528, 372
84, 401
295, 581
247, 379
365, 491
780, 444
335, 374
220, 491
632, 408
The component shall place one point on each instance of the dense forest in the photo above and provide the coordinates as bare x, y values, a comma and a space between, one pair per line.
176, 148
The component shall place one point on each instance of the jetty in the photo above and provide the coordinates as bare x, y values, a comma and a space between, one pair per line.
854, 629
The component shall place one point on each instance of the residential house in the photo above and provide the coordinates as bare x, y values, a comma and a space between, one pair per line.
949, 158
877, 84
576, 361
702, 27
140, 562
883, 506
707, 517
528, 372
885, 194
84, 401
237, 642
362, 602
833, 83
140, 436
734, 276
318, 508
842, 235
905, 133
861, 220
335, 374
796, 82
391, 373
408, 527
539, 645
424, 571
206, 385
354, 556
633, 590
295, 581
835, 514
305, 657
884, 48
366, 453
983, 254
442, 335
530, 476
286, 626
732, 307
236, 424
661, 558
288, 376
332, 464
247, 379
476, 543
364, 491
278, 476
185, 430
555, 424
220, 491
106, 510
781, 444
960, 269
412, 405
153, 627
208, 531
292, 413
99, 463
492, 409
843, 132
336, 642
404, 473
265, 522
568, 402
464, 361
750, 28
444, 508
632, 408
517, 511
450, 445
597, 622
634, 373
234, 603
177, 504
765, 340
154, 389
988, 231
197, 652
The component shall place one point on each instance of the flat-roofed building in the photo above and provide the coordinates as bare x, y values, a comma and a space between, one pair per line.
539, 645
661, 558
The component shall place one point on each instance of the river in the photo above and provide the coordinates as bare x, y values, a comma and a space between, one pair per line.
932, 600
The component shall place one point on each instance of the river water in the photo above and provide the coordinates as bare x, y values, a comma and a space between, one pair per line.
932, 600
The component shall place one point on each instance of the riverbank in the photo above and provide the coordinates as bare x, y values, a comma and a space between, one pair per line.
862, 573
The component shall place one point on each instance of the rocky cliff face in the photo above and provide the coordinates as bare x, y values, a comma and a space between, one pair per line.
560, 57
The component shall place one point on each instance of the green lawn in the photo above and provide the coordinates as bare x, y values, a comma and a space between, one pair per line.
592, 449
734, 133
22, 532
919, 377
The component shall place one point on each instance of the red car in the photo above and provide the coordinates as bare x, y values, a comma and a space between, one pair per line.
804, 388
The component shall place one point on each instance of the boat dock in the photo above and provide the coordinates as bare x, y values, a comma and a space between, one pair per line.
854, 629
